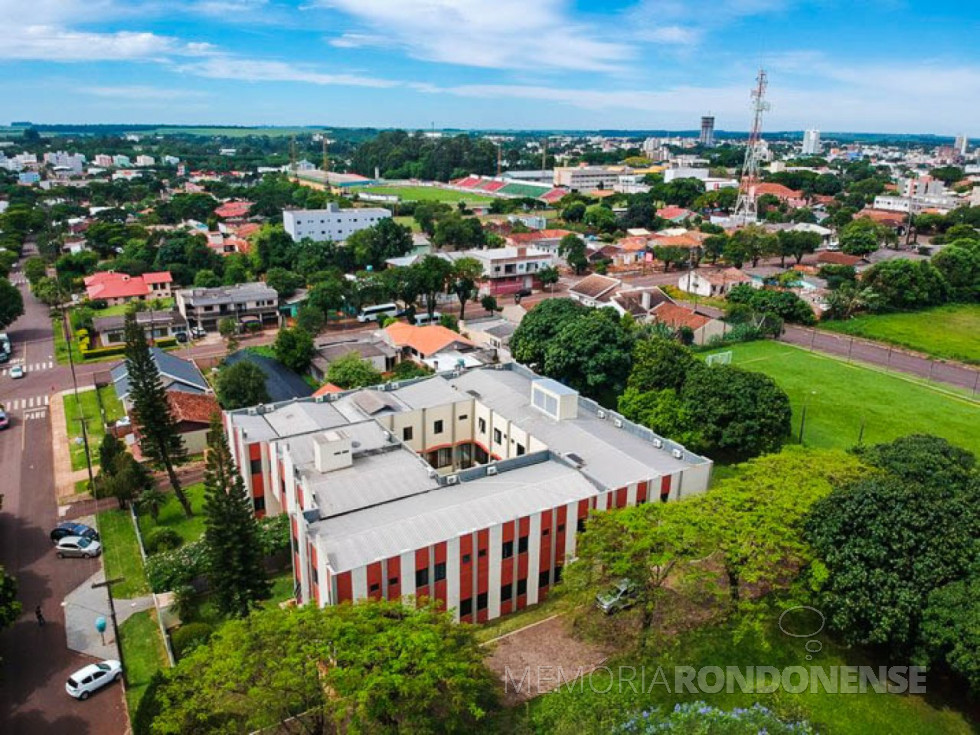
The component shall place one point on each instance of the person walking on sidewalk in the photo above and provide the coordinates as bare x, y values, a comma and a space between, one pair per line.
39, 615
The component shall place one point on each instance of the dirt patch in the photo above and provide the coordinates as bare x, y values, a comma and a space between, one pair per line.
540, 658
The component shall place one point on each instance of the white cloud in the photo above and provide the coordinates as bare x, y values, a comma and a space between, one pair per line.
260, 70
495, 34
356, 40
226, 8
138, 92
56, 43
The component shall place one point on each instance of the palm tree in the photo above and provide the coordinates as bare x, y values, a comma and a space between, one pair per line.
151, 500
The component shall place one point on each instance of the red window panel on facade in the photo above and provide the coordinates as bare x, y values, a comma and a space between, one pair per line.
466, 562
439, 591
394, 578
621, 497
345, 591
544, 553
422, 562
664, 487
641, 493
374, 580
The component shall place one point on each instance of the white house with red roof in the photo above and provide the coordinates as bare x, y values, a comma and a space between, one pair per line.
120, 288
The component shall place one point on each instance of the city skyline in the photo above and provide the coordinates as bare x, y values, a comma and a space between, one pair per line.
560, 65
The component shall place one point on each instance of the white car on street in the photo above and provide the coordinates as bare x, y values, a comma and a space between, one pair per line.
16, 372
86, 548
94, 676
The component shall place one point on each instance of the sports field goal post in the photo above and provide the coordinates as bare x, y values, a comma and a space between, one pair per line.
720, 358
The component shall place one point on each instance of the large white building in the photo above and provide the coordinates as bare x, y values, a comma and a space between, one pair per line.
811, 143
332, 223
469, 488
961, 144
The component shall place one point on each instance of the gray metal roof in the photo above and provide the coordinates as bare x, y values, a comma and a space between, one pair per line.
228, 294
445, 512
175, 373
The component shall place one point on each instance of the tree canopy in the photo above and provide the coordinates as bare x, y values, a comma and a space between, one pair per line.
241, 384
368, 667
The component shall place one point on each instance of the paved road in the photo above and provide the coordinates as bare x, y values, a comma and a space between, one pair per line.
36, 661
893, 358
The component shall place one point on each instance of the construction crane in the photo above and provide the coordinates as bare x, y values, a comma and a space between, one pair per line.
745, 206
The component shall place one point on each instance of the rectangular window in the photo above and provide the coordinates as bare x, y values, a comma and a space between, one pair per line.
466, 606
374, 588
392, 581
543, 579
407, 434
482, 553
522, 545
557, 575
580, 525
497, 436
481, 601
507, 550
466, 558
561, 527
315, 575
422, 577
437, 427
546, 532
520, 450
505, 592
521, 587
440, 572
259, 503
482, 424
463, 417
255, 466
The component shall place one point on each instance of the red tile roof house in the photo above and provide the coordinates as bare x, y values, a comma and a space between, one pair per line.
120, 288
230, 211
674, 214
676, 316
791, 197
193, 413
419, 343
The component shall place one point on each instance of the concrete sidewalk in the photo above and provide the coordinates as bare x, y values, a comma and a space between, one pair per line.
83, 605
64, 476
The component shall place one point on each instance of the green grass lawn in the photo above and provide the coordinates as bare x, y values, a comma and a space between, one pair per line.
427, 194
86, 407
840, 397
594, 711
949, 332
143, 654
121, 554
410, 222
114, 409
172, 515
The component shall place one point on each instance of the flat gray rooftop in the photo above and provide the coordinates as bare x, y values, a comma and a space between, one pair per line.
387, 530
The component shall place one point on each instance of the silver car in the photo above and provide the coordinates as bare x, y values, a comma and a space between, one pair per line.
78, 546
621, 596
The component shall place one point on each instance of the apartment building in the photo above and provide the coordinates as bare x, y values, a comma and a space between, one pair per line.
469, 488
331, 223
245, 302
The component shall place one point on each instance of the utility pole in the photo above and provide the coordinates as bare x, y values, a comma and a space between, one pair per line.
112, 616
544, 155
74, 381
499, 156
326, 157
292, 155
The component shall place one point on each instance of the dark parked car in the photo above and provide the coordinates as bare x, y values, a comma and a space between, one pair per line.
4, 419
69, 528
180, 336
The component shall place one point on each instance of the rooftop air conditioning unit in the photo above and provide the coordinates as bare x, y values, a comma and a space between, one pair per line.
393, 386
619, 423
252, 411
658, 443
491, 471
600, 413
678, 454
452, 479
387, 435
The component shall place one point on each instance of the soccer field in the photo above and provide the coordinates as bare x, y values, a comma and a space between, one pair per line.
427, 194
840, 398
947, 331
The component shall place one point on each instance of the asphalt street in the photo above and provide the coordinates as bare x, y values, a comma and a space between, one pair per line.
36, 661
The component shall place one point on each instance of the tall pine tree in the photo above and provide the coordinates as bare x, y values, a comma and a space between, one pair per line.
231, 533
160, 441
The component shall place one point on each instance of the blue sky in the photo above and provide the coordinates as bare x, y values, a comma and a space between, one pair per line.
861, 65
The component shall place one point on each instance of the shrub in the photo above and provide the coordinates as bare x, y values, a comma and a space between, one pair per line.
169, 570
162, 539
98, 352
188, 637
99, 304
